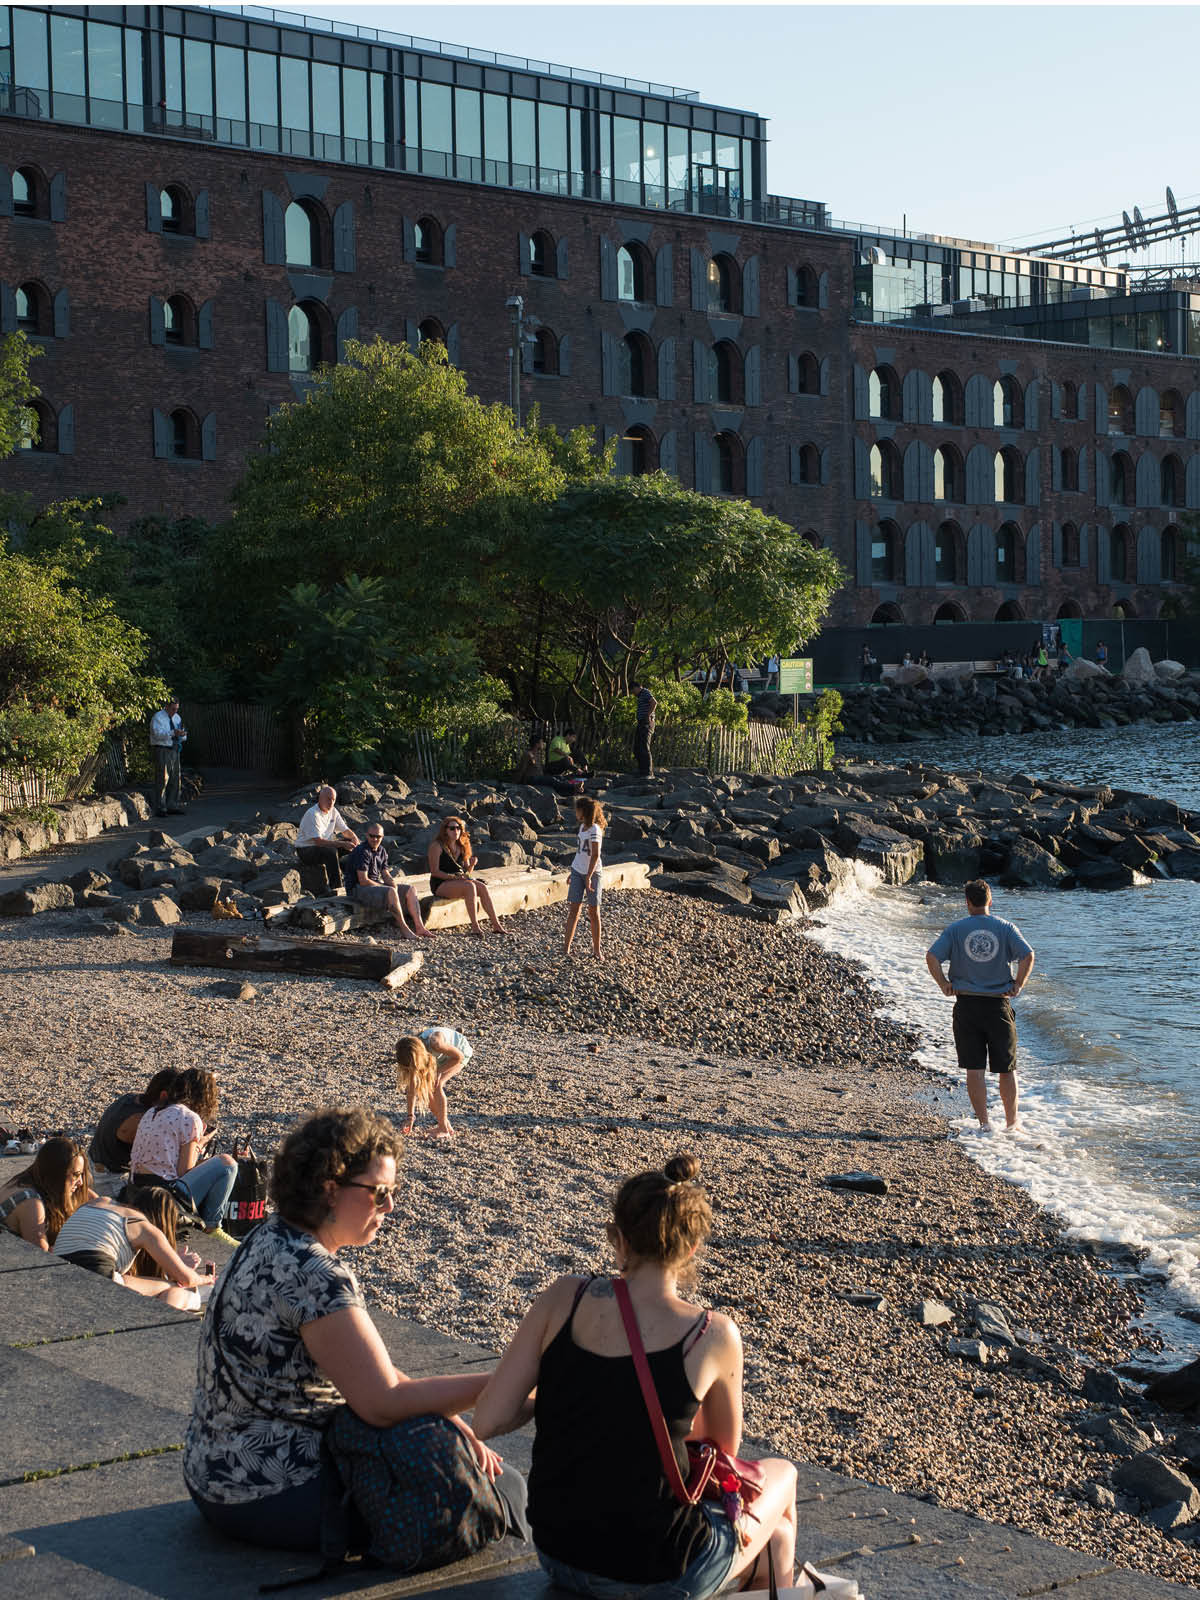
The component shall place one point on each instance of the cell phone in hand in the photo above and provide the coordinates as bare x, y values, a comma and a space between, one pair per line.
210, 1269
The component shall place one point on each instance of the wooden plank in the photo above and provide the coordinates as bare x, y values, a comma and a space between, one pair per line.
259, 952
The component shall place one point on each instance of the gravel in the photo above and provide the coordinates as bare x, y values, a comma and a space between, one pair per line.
743, 1042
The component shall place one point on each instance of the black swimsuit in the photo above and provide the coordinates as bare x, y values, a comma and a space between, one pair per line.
450, 865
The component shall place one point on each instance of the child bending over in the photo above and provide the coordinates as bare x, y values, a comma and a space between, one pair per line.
425, 1063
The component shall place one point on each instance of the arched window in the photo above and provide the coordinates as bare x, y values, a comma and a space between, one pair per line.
1120, 410
808, 464
633, 272
177, 209
947, 553
38, 428
185, 435
1070, 545
428, 242
544, 354
1008, 405
1008, 539
1010, 611
179, 321
886, 474
29, 191
543, 261
1170, 415
1120, 541
430, 332
884, 615
1171, 479
1068, 610
636, 452
811, 538
1070, 471
950, 611
947, 399
1010, 476
302, 234
808, 287
948, 475
1169, 554
883, 394
885, 553
635, 365
723, 284
1120, 479
33, 309
808, 374
304, 339
727, 373
729, 463
1070, 401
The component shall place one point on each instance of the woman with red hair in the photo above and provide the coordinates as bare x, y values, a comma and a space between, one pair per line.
451, 861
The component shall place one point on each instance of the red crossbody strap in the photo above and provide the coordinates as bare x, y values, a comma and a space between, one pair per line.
650, 1395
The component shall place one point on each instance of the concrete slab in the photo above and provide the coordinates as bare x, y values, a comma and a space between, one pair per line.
14, 1549
153, 1364
70, 1303
64, 1580
17, 1256
54, 1419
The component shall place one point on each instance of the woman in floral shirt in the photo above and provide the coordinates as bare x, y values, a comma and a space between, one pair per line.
287, 1340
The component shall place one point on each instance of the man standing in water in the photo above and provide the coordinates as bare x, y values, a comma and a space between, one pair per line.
981, 950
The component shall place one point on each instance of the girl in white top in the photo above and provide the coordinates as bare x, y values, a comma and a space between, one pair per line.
585, 884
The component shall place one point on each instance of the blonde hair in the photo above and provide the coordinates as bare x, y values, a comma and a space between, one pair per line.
416, 1069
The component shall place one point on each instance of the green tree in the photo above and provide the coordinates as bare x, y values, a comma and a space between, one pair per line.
70, 669
16, 390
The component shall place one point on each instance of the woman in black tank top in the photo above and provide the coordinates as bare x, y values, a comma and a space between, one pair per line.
604, 1517
451, 864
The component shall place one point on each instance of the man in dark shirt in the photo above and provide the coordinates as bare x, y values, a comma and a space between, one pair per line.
369, 880
647, 705
113, 1138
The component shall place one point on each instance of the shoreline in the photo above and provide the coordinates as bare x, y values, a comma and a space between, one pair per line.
745, 1042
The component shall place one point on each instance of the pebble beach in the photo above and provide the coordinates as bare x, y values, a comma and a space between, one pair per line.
743, 1042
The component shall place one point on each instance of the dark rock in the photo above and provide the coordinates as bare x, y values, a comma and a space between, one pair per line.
1151, 1480
1175, 1514
1100, 1496
1177, 1391
1104, 1388
87, 879
718, 890
1120, 1435
628, 828
867, 1299
1184, 863
674, 858
858, 1182
1107, 874
158, 911
1033, 867
34, 898
199, 894
932, 1314
501, 853
992, 1325
952, 858
896, 856
778, 894
284, 882
969, 1349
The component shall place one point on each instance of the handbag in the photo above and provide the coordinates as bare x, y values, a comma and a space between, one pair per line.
713, 1474
247, 1205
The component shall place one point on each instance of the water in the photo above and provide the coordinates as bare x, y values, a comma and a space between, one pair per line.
1108, 1024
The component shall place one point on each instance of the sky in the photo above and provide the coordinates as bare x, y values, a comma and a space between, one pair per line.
1009, 124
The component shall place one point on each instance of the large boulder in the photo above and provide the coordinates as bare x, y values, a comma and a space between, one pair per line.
1106, 873
780, 895
1139, 668
1169, 671
952, 857
31, 899
1083, 671
1031, 867
1151, 1480
893, 854
277, 885
158, 911
717, 890
906, 677
501, 853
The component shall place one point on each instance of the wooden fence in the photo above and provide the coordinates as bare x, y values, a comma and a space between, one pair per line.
21, 787
231, 733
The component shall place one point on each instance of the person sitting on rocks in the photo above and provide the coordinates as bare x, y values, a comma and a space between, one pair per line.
121, 1240
168, 1148
324, 837
561, 760
369, 881
35, 1204
531, 768
451, 864
288, 1354
425, 1063
570, 1365
112, 1141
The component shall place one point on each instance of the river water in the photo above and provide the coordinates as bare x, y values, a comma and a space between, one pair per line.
1109, 1023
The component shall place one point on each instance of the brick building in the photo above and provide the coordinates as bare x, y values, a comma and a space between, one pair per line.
198, 207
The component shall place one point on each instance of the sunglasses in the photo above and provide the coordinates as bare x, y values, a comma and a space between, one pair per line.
453, 827
377, 837
381, 1193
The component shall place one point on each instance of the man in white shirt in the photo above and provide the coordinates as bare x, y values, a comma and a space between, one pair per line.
167, 734
323, 836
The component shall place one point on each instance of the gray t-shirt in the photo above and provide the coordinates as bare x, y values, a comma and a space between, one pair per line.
981, 952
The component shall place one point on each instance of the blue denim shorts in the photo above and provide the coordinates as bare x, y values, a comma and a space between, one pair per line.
707, 1575
577, 889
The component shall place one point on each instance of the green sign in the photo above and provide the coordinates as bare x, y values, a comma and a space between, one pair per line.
796, 675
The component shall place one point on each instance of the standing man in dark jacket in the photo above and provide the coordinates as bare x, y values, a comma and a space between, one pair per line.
647, 705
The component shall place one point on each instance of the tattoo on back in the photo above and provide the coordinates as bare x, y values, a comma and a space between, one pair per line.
602, 1288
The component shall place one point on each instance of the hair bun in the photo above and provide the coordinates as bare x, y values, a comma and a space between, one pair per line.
682, 1168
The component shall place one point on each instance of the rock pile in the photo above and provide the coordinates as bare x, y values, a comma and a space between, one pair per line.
24, 833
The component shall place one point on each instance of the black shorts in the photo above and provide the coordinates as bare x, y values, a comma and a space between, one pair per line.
985, 1033
93, 1261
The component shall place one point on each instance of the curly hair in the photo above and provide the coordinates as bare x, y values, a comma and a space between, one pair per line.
333, 1146
196, 1089
662, 1216
590, 812
416, 1066
50, 1174
463, 853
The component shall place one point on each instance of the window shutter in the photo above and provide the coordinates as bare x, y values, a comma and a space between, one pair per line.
203, 224
975, 555
58, 197
8, 308
1033, 557
158, 333
862, 555
277, 337
977, 402
454, 345
162, 435
793, 369
1031, 406
794, 464
410, 239
204, 326
1149, 551
666, 370
823, 291
668, 453
700, 386
702, 462
750, 287
153, 208
526, 356
1056, 540
981, 488
755, 475
1055, 401
1192, 482
1103, 477
66, 431
608, 363
564, 356
1103, 555
345, 253
62, 314
912, 556
347, 328
754, 375
862, 392
1084, 560
924, 471
608, 269
1101, 409
793, 292
862, 471
664, 275
699, 281
6, 199
1145, 412
826, 464
928, 557
1083, 470
1191, 415
1081, 410
562, 259
524, 258
1147, 480
1033, 474
912, 472
909, 400
450, 246
823, 375
412, 335
208, 437
274, 231
1055, 467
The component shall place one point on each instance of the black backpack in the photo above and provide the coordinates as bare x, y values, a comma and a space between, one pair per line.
248, 1199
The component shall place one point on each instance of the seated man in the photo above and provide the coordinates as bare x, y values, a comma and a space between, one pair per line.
561, 760
323, 836
113, 1138
529, 770
369, 881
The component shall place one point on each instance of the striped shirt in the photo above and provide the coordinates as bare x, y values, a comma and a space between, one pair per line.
96, 1228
